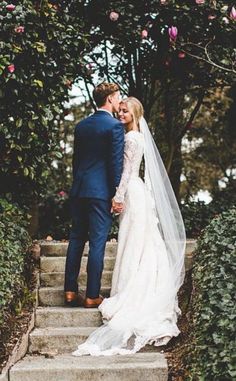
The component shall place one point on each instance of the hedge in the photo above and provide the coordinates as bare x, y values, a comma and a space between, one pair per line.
14, 254
213, 355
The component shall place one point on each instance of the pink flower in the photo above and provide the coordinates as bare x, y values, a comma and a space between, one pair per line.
11, 68
20, 29
181, 55
162, 2
114, 16
211, 17
10, 7
199, 1
62, 193
233, 13
144, 33
173, 32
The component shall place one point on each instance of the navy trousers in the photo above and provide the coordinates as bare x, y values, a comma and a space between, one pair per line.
91, 220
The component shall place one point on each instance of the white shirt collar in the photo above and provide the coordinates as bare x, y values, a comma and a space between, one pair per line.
102, 109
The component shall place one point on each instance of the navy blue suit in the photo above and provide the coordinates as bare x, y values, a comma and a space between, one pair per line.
97, 168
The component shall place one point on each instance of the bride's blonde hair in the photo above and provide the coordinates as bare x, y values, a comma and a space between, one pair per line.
135, 107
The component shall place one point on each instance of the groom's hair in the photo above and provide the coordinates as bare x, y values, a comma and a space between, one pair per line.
102, 91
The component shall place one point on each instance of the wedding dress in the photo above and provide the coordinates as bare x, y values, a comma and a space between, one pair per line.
142, 308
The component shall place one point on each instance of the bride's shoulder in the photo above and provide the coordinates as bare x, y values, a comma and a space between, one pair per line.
133, 135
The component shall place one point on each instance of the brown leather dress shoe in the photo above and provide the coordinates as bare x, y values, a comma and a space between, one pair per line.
93, 303
73, 299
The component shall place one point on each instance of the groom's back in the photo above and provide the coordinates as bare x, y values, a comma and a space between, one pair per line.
96, 138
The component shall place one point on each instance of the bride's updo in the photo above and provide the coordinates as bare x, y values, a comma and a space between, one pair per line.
135, 107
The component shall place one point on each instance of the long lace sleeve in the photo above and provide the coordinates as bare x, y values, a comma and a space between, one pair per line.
129, 151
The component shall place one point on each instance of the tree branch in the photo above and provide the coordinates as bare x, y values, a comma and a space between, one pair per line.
193, 114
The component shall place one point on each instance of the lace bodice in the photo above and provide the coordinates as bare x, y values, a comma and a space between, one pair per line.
133, 153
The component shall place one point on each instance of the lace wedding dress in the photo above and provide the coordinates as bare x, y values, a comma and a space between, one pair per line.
142, 308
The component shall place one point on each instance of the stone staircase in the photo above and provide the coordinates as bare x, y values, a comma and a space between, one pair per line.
58, 330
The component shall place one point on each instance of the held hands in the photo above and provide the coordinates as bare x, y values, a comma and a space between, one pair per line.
117, 207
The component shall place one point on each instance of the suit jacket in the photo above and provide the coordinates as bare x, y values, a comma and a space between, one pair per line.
98, 156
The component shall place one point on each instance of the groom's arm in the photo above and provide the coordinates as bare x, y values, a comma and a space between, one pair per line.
116, 154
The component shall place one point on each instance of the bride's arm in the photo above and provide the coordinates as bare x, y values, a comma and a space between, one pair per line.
129, 151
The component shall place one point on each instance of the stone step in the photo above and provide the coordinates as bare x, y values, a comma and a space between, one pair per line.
54, 296
137, 367
59, 249
64, 340
57, 264
57, 279
67, 317
57, 340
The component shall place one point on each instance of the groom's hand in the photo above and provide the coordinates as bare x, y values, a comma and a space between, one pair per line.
117, 207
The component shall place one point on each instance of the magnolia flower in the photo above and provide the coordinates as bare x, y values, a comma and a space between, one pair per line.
211, 17
144, 33
181, 55
11, 68
199, 1
173, 32
114, 16
226, 20
233, 13
20, 29
10, 7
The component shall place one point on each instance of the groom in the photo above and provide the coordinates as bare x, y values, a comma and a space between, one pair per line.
97, 168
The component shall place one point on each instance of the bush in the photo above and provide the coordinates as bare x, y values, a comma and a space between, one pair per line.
212, 354
54, 216
14, 244
197, 215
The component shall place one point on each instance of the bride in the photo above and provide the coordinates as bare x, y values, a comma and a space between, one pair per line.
149, 269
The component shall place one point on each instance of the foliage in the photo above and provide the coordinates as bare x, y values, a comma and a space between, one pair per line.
41, 45
14, 255
169, 73
210, 146
212, 355
197, 215
54, 216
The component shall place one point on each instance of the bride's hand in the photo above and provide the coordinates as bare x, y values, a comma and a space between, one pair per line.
117, 207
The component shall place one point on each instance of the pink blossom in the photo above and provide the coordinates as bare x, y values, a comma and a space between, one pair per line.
10, 7
11, 68
20, 29
211, 17
233, 13
199, 1
163, 2
144, 33
181, 55
62, 193
114, 16
173, 32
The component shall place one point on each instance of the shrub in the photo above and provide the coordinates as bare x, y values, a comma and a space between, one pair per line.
196, 216
14, 244
212, 354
